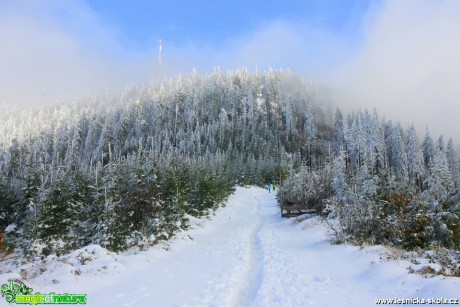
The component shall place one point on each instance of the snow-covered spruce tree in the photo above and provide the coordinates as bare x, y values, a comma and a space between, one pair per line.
443, 209
310, 132
415, 167
7, 201
108, 229
141, 200
440, 145
339, 137
173, 180
358, 212
79, 198
22, 232
428, 148
339, 184
453, 162
339, 187
56, 219
440, 181
398, 156
381, 159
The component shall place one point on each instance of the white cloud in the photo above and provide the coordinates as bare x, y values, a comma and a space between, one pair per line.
305, 49
59, 50
408, 66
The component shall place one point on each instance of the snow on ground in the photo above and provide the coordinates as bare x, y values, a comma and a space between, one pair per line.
246, 255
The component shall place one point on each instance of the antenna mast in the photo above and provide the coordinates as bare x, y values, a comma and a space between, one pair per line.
160, 45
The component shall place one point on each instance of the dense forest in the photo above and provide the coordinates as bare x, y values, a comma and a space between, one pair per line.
382, 186
129, 169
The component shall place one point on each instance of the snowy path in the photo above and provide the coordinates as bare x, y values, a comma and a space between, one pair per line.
248, 256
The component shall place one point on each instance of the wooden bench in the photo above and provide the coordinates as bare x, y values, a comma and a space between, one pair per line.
290, 209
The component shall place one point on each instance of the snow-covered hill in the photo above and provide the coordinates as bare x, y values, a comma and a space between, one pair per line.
246, 255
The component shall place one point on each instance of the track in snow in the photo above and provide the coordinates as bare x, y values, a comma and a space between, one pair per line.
242, 282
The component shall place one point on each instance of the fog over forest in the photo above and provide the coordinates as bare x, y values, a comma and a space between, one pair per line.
403, 61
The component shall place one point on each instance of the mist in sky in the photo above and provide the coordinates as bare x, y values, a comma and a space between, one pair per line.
53, 52
400, 57
408, 66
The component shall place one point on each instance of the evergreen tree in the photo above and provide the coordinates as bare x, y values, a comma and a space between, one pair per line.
428, 149
440, 181
338, 130
310, 131
441, 146
338, 177
414, 158
398, 155
452, 161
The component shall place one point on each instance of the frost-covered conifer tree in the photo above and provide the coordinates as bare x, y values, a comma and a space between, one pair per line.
452, 161
414, 158
310, 131
398, 154
440, 181
339, 177
338, 130
440, 145
377, 145
428, 148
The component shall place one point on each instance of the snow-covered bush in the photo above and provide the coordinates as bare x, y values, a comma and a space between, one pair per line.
309, 188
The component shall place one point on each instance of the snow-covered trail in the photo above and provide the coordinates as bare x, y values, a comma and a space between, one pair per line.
221, 266
248, 256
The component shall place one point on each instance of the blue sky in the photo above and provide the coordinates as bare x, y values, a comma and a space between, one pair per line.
301, 35
400, 57
215, 22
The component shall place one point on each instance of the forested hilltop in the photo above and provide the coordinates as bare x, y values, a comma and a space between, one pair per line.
130, 169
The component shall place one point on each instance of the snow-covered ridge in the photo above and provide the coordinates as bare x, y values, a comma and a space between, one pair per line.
246, 255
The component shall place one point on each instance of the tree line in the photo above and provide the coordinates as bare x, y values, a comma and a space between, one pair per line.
131, 168
381, 185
